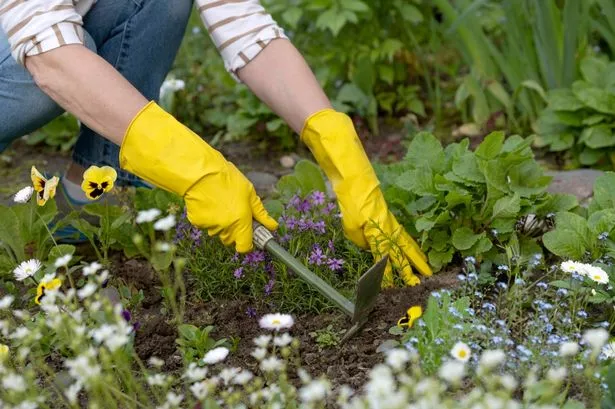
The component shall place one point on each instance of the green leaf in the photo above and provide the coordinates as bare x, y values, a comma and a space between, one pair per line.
508, 206
424, 224
593, 71
10, 234
595, 98
604, 194
482, 246
533, 85
418, 181
491, 146
602, 221
288, 185
464, 238
571, 237
590, 156
292, 16
466, 167
425, 149
354, 5
410, 13
274, 207
597, 137
559, 202
61, 250
310, 177
439, 259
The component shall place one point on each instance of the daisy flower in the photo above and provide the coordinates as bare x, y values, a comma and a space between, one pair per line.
461, 352
276, 321
26, 269
216, 355
23, 195
147, 216
165, 223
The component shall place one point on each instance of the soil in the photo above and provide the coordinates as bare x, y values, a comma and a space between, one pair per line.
348, 363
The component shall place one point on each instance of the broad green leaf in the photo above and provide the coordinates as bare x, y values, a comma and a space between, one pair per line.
439, 259
418, 181
491, 146
528, 178
593, 71
354, 5
467, 168
292, 16
410, 13
310, 177
274, 207
503, 226
533, 85
499, 92
424, 224
572, 119
559, 202
594, 119
457, 197
597, 137
602, 221
61, 250
570, 238
464, 238
10, 234
508, 206
604, 193
594, 97
425, 149
289, 185
590, 156
482, 246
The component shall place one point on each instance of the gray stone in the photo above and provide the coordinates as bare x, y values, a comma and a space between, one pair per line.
579, 182
263, 182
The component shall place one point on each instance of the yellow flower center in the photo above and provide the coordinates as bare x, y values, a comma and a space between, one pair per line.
276, 322
463, 353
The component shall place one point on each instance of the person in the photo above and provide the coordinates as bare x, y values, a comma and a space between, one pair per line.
104, 62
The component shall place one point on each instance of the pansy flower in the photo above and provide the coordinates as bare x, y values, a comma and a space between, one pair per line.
98, 180
45, 286
45, 188
412, 315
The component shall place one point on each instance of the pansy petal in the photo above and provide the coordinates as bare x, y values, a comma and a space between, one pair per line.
38, 180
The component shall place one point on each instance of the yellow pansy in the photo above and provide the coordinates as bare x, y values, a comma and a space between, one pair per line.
412, 315
98, 180
4, 352
43, 287
45, 188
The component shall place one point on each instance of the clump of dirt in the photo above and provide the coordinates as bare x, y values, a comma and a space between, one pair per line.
345, 364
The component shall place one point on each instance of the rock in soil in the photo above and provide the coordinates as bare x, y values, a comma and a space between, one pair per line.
263, 182
579, 182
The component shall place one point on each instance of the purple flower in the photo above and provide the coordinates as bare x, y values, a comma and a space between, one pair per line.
291, 223
328, 208
254, 258
195, 236
304, 206
304, 224
319, 227
269, 286
251, 312
318, 198
330, 246
335, 264
235, 258
126, 315
294, 202
238, 273
316, 256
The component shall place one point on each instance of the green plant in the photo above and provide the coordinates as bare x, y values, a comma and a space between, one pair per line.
327, 337
535, 49
603, 22
61, 133
194, 342
459, 202
580, 119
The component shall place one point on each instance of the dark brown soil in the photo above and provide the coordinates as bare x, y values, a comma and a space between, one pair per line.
345, 364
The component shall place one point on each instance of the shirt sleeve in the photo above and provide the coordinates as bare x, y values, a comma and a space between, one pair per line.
35, 26
240, 29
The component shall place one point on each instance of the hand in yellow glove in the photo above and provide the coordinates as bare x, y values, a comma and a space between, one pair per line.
218, 197
367, 221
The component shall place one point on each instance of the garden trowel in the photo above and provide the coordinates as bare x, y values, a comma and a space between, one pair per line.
367, 291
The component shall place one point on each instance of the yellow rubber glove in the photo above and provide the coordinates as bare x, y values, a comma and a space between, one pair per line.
218, 197
367, 221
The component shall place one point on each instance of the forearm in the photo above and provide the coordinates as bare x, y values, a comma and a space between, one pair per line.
88, 87
281, 78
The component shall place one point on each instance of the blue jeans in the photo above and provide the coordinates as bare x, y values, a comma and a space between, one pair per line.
140, 38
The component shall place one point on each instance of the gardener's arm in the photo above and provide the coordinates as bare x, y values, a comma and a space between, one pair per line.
85, 85
281, 78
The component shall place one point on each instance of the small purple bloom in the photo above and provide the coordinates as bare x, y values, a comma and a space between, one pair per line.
318, 198
328, 208
269, 286
126, 315
319, 227
330, 246
136, 326
291, 223
238, 273
335, 264
316, 256
251, 312
254, 258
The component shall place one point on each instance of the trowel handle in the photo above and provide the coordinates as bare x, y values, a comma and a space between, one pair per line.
260, 235
263, 239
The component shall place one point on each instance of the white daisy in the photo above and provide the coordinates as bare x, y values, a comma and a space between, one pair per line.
165, 224
147, 216
199, 390
155, 362
87, 290
452, 371
597, 274
315, 391
91, 268
27, 269
276, 321
461, 352
282, 340
557, 374
570, 266
23, 195
63, 261
243, 377
491, 359
195, 373
157, 380
259, 354
609, 350
262, 341
216, 355
271, 364
6, 301
568, 349
397, 358
596, 338
14, 382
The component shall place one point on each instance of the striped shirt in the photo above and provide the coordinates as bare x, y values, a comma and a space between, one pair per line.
240, 29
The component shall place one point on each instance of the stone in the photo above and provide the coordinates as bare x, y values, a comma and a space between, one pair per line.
287, 161
578, 182
263, 182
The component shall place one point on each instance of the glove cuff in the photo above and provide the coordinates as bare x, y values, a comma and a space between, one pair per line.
162, 151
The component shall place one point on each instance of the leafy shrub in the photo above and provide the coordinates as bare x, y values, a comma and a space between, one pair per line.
581, 118
459, 202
